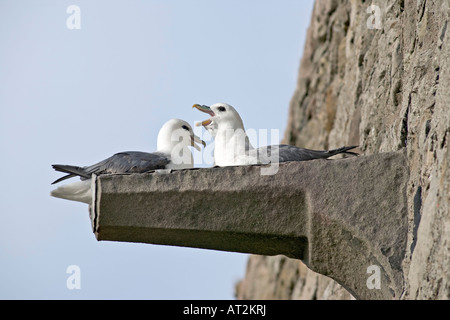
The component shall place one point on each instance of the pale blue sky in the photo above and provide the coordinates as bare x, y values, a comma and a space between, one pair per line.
79, 96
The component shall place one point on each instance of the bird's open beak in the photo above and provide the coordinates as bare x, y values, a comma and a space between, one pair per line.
195, 140
204, 109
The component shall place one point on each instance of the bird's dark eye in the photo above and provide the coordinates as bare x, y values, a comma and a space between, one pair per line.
221, 108
185, 127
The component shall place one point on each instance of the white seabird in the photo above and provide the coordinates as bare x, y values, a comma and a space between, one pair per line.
232, 146
174, 138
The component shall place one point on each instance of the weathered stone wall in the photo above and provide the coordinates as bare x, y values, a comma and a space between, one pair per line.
384, 89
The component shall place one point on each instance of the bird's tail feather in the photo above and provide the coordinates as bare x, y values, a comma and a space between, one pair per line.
343, 150
71, 170
70, 175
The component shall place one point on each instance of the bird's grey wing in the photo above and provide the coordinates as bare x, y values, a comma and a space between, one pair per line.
129, 162
123, 162
292, 153
284, 153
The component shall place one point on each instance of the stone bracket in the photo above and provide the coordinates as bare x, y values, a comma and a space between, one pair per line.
340, 217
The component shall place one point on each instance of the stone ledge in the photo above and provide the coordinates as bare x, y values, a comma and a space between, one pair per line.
338, 216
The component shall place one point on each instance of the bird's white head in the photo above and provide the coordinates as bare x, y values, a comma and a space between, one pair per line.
223, 117
177, 134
